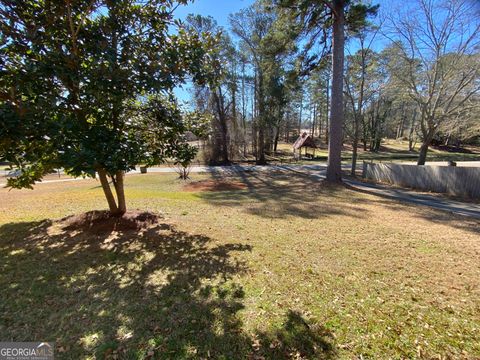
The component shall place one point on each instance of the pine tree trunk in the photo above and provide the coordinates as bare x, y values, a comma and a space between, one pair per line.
334, 168
326, 111
244, 112
268, 139
261, 123
312, 129
355, 146
300, 115
223, 125
320, 122
255, 116
401, 126
412, 130
261, 146
277, 138
364, 134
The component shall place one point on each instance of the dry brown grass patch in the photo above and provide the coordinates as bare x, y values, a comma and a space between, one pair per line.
215, 185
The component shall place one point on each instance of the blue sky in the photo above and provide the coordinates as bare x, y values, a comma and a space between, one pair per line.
221, 9
218, 9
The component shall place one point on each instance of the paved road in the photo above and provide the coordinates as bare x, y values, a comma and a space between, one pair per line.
438, 202
318, 171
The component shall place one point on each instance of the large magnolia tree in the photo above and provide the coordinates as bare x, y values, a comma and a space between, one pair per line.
86, 86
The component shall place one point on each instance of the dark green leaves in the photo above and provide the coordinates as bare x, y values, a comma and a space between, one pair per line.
81, 84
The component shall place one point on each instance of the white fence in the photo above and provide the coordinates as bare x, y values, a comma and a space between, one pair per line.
455, 180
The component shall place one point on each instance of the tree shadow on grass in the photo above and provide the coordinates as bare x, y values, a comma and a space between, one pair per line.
296, 339
282, 193
155, 293
456, 221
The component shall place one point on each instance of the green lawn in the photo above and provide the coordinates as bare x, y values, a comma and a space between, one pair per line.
286, 268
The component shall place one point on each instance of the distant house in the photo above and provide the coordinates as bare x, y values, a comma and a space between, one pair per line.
304, 141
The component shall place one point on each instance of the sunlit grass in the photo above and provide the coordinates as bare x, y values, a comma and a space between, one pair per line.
285, 268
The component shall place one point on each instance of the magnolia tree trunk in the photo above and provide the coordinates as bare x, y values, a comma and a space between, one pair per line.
118, 206
334, 167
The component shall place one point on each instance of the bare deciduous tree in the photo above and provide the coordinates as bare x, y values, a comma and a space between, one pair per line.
436, 43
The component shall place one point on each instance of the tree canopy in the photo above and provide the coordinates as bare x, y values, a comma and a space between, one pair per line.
87, 86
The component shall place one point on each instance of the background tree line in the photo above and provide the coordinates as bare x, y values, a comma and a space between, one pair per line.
411, 75
88, 86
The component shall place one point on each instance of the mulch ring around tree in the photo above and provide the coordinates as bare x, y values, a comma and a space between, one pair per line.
98, 222
214, 185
